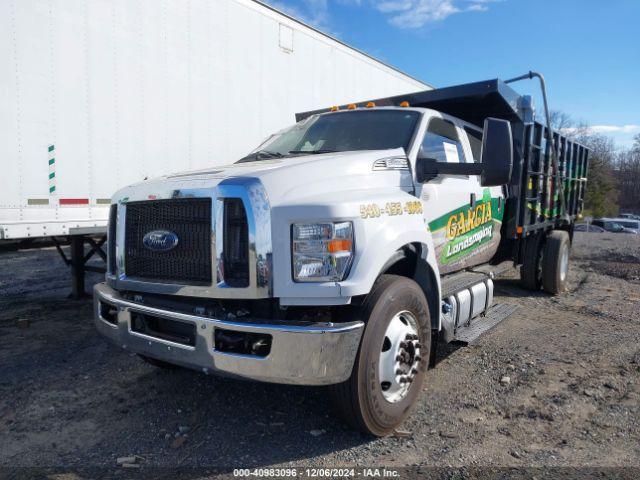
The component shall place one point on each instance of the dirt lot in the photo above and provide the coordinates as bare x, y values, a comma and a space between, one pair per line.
69, 399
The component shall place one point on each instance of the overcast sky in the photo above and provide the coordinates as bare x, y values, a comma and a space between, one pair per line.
589, 50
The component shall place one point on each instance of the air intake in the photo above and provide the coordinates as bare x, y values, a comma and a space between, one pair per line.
111, 239
236, 244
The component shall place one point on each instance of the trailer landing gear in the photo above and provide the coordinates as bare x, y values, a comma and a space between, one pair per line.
80, 258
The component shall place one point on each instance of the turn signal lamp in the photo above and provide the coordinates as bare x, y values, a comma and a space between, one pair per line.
339, 245
352, 106
371, 105
334, 108
404, 104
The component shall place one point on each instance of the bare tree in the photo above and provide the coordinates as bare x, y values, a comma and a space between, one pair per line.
561, 121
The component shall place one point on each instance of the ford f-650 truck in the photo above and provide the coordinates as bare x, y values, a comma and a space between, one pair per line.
343, 248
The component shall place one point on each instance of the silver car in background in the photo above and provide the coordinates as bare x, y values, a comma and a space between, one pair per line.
618, 225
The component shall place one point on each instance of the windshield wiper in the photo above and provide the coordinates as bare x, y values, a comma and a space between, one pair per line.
312, 152
260, 154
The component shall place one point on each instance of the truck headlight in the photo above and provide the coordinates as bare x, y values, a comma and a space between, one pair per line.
321, 252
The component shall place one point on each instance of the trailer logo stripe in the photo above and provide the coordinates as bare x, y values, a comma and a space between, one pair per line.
52, 169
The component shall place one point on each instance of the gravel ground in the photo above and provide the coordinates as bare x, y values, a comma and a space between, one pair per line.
68, 399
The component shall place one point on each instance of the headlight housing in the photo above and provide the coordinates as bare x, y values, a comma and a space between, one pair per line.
321, 252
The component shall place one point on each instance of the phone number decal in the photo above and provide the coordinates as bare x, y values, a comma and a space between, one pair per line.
391, 209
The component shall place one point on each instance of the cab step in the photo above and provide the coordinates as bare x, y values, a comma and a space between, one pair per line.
478, 326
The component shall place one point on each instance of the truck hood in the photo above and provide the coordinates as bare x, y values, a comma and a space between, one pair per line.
303, 176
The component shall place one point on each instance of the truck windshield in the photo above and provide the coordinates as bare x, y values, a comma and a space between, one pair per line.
341, 132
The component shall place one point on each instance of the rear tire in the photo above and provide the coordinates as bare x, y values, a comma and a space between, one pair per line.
159, 363
392, 360
531, 269
555, 265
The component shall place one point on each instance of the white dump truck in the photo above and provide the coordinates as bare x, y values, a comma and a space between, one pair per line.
344, 247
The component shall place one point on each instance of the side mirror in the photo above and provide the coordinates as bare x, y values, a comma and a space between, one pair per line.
428, 169
497, 153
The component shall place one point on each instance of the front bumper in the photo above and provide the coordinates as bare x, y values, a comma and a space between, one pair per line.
301, 353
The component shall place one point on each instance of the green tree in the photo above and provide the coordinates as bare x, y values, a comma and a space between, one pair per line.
628, 177
601, 199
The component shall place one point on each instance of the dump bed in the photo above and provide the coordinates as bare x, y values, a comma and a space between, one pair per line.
540, 195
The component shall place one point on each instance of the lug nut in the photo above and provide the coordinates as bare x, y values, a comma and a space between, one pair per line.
403, 380
418, 358
414, 371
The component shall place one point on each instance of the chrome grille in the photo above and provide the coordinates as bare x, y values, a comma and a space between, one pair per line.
189, 262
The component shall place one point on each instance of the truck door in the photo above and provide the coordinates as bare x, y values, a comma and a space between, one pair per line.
459, 212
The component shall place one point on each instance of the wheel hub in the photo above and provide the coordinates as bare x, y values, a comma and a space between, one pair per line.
400, 356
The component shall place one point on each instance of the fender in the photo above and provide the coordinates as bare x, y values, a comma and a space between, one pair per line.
377, 239
423, 274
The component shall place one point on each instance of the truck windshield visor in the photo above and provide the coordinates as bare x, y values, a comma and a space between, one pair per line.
341, 132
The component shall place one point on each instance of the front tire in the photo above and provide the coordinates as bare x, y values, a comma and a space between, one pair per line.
555, 266
392, 360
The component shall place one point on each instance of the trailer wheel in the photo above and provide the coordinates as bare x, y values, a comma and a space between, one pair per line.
531, 269
555, 266
159, 363
392, 360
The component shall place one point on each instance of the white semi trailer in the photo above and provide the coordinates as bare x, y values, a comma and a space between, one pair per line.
99, 94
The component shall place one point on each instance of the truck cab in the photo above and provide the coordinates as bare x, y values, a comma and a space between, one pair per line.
336, 253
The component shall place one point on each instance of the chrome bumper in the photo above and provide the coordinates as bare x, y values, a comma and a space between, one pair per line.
301, 354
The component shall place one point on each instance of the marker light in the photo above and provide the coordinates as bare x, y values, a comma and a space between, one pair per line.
352, 106
321, 252
371, 105
404, 104
334, 108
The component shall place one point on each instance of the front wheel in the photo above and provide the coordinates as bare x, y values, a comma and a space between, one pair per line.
392, 361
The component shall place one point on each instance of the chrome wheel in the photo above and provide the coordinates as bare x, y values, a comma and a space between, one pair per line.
400, 356
564, 264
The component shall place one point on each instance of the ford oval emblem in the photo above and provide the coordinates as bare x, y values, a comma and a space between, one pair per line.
160, 240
